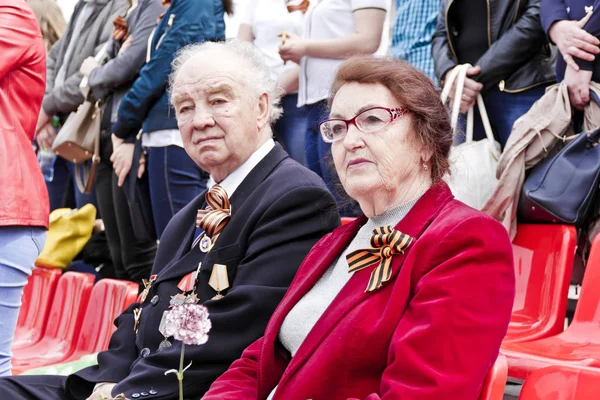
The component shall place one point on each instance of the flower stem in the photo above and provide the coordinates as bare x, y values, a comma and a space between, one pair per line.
180, 374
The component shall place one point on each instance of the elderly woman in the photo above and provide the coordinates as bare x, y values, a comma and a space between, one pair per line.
411, 300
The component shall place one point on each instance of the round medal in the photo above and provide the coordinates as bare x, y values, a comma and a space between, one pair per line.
205, 244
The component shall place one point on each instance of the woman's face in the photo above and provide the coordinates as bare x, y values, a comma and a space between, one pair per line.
381, 163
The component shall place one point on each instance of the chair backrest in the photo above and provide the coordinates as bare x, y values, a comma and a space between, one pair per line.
562, 382
495, 381
543, 257
588, 306
70, 301
37, 298
108, 299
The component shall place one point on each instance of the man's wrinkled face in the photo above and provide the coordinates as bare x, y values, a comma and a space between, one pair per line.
218, 116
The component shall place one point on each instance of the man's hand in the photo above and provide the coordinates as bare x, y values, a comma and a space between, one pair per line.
89, 64
43, 120
102, 392
45, 136
578, 84
573, 41
292, 48
470, 91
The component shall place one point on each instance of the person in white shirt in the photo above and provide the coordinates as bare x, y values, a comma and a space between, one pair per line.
266, 23
333, 31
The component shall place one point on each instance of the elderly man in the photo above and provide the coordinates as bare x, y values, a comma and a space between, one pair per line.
273, 211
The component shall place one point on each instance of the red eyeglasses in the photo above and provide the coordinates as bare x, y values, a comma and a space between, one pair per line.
368, 121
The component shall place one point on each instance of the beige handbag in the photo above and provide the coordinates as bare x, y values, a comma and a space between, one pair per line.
79, 138
472, 177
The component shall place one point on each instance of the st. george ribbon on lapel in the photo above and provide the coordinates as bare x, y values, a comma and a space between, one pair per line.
212, 220
385, 242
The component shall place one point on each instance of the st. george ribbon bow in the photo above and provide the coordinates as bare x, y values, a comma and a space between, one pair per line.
385, 242
215, 216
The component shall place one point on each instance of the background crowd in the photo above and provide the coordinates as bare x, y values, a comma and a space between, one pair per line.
122, 52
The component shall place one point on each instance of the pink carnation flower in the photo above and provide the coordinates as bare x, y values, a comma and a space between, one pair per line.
188, 323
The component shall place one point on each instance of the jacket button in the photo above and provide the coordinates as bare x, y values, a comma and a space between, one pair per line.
145, 352
154, 301
153, 391
144, 394
135, 395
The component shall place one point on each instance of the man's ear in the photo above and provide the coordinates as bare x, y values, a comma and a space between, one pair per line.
264, 108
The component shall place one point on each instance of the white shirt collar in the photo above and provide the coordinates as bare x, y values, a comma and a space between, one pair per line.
234, 179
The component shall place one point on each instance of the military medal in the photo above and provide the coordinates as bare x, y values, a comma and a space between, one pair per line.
147, 286
219, 280
205, 243
137, 314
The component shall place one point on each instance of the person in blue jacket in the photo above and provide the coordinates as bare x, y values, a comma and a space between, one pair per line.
574, 26
174, 179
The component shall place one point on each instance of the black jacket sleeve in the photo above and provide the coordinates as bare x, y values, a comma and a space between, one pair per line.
443, 56
513, 48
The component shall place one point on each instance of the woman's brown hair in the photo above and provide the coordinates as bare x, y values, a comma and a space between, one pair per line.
415, 92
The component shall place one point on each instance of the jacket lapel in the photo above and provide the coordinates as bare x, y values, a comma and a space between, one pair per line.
353, 293
191, 258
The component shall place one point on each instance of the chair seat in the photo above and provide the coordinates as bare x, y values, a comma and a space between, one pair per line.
579, 346
561, 382
48, 352
524, 328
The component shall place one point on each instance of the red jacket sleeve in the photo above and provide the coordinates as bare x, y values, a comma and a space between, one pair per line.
18, 32
450, 334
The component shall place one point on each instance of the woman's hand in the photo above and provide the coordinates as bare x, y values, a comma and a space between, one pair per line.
292, 48
573, 41
122, 158
43, 120
470, 91
578, 84
45, 136
89, 64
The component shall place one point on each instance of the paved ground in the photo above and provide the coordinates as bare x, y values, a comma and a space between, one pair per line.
512, 392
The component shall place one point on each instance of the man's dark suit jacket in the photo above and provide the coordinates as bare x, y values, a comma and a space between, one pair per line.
279, 212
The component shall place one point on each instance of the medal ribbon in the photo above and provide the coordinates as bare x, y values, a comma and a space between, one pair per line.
214, 217
385, 242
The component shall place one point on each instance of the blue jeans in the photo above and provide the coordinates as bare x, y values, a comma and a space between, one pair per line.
19, 247
503, 110
62, 192
174, 180
291, 127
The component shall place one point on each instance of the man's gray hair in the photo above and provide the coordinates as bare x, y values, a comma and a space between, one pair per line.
256, 74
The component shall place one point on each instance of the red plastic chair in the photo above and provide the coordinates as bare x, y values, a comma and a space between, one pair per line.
495, 381
579, 345
561, 382
108, 300
36, 300
543, 256
64, 324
